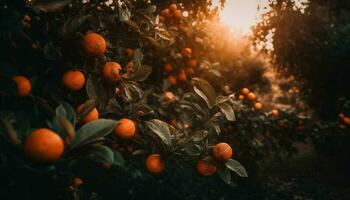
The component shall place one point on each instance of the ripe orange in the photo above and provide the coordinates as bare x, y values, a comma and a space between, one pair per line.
241, 97
166, 13
222, 152
77, 182
154, 164
169, 97
110, 72
192, 62
173, 7
341, 115
130, 52
23, 85
251, 96
73, 80
342, 126
346, 120
186, 52
189, 71
95, 44
275, 112
91, 116
178, 14
161, 19
182, 75
257, 106
245, 91
185, 125
168, 68
172, 79
126, 129
206, 167
44, 145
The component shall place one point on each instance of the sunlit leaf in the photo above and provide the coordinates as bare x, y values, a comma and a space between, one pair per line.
235, 166
161, 129
204, 89
228, 111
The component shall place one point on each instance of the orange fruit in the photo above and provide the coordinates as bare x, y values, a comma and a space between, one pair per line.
154, 164
166, 13
169, 97
182, 75
275, 112
23, 85
185, 125
342, 126
173, 7
189, 71
161, 19
77, 182
27, 18
126, 129
43, 145
186, 52
222, 152
178, 14
341, 115
73, 80
130, 52
206, 167
192, 62
168, 68
245, 91
257, 106
91, 116
241, 97
251, 96
346, 120
110, 72
172, 79
95, 44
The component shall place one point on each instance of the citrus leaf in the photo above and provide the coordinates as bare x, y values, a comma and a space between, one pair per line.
227, 110
10, 132
68, 112
95, 129
118, 159
225, 175
68, 128
235, 166
204, 90
141, 74
161, 129
50, 6
101, 153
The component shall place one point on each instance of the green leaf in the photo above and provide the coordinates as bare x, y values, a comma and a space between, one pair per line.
50, 5
204, 90
64, 109
235, 166
101, 153
74, 23
10, 132
161, 129
68, 128
141, 74
95, 129
225, 175
118, 159
227, 110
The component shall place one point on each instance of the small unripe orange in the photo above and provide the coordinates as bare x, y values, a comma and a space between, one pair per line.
241, 97
168, 68
172, 79
192, 62
182, 75
275, 113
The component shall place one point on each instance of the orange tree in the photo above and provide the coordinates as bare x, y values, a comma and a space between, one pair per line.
108, 93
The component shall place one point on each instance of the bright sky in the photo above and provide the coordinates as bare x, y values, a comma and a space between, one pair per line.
240, 15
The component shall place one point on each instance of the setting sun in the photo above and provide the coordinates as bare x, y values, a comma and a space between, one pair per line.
240, 15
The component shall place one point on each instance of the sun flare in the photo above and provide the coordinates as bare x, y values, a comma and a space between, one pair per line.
240, 15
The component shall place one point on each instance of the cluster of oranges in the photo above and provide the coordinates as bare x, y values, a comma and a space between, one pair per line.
221, 152
43, 144
182, 73
251, 96
173, 12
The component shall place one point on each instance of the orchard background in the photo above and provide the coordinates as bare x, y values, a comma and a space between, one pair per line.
161, 99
